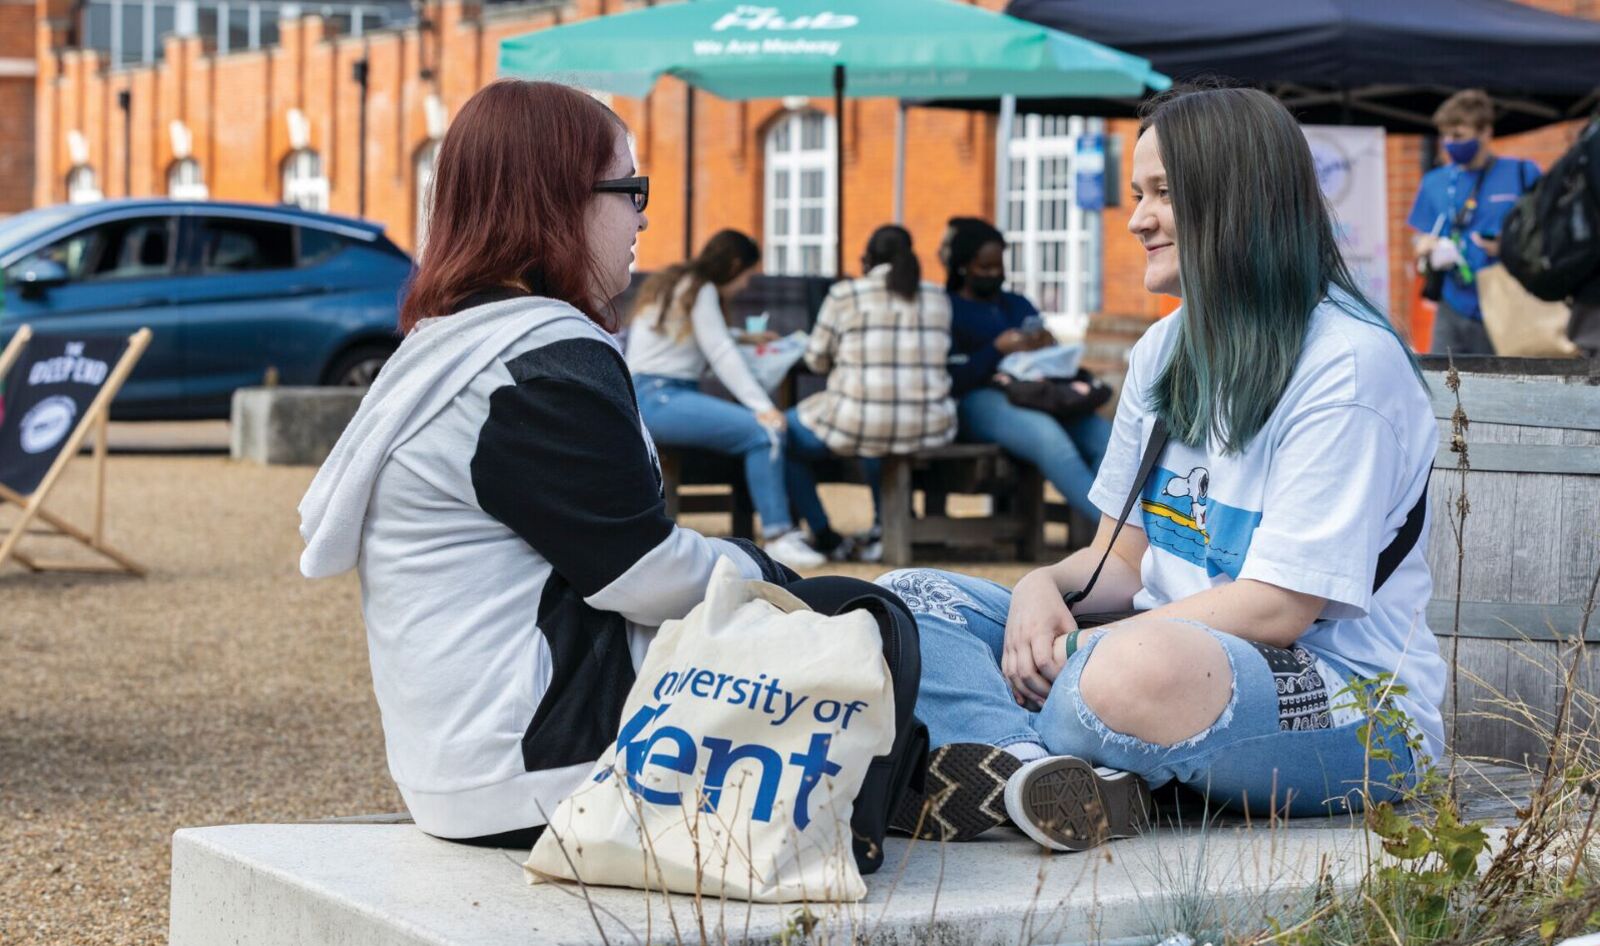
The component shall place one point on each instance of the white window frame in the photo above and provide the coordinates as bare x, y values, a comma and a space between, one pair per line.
787, 160
304, 183
83, 185
422, 165
185, 182
1054, 257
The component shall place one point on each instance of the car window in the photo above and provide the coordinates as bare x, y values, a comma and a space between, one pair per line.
18, 229
318, 246
239, 246
121, 249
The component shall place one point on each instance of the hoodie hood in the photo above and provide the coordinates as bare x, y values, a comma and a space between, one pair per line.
436, 361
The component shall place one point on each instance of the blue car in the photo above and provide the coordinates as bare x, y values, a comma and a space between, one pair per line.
230, 291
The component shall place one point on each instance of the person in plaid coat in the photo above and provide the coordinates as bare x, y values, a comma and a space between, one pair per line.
883, 341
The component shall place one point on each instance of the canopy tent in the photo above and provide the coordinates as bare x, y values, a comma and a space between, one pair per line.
1357, 62
906, 49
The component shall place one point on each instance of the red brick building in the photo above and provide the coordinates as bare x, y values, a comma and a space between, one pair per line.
18, 67
277, 118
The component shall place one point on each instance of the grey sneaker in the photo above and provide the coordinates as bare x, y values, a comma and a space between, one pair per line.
966, 788
1066, 804
845, 551
868, 545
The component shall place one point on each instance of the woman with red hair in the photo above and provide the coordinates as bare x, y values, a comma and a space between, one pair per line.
496, 491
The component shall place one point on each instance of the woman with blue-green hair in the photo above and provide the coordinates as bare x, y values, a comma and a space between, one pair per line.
1271, 565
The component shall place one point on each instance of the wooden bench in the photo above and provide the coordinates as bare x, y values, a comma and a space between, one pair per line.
1016, 491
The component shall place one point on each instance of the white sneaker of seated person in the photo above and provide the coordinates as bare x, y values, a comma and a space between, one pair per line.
791, 549
1066, 804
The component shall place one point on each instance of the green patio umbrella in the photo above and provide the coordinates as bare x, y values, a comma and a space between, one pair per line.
905, 49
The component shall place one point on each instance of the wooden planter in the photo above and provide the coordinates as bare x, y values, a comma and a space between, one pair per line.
1529, 547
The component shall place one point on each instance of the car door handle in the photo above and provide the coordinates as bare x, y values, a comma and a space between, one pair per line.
149, 302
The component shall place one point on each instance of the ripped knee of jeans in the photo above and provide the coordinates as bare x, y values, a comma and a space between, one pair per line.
1072, 678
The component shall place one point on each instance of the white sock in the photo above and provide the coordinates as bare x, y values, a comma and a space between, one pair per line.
1026, 751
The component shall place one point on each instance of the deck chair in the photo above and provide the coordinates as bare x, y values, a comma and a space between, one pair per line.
54, 392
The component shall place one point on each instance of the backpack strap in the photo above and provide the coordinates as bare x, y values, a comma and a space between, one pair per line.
1147, 462
1403, 542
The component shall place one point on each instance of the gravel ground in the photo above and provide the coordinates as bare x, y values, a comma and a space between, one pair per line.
222, 688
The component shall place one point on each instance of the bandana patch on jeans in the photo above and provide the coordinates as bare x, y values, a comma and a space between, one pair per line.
928, 592
1302, 691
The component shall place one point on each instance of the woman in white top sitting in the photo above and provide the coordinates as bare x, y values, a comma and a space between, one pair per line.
680, 326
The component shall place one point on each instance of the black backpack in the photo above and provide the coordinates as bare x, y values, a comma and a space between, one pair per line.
906, 765
1551, 239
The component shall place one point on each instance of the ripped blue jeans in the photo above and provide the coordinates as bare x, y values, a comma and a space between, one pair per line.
1283, 743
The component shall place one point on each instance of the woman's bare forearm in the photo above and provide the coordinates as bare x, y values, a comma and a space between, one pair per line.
1253, 610
1119, 579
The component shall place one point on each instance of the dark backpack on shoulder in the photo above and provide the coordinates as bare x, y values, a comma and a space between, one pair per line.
906, 765
1551, 239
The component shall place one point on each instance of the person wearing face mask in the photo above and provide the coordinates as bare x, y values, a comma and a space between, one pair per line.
1458, 213
988, 323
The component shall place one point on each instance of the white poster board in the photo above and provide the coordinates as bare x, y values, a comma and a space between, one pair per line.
1353, 173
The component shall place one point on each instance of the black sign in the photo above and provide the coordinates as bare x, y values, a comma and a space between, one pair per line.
47, 393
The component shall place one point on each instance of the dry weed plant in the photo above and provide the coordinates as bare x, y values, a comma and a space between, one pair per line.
1444, 879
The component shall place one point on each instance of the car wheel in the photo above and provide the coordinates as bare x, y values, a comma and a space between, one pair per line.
358, 367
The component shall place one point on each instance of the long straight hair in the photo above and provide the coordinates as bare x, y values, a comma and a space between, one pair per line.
1256, 256
724, 258
510, 189
892, 244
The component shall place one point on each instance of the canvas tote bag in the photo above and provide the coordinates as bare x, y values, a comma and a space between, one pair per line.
1520, 324
743, 743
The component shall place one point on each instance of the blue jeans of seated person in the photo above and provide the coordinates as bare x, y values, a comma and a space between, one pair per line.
804, 447
1297, 752
1069, 456
678, 414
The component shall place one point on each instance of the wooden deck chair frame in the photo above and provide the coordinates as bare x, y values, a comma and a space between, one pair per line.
36, 520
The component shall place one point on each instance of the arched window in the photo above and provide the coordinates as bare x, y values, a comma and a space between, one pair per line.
1054, 252
304, 185
426, 156
83, 187
184, 181
801, 195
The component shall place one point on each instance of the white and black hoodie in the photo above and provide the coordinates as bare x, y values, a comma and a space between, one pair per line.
501, 502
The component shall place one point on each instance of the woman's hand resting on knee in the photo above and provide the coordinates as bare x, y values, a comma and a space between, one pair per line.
1038, 617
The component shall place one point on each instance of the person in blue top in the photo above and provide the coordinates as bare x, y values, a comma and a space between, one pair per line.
1458, 213
988, 323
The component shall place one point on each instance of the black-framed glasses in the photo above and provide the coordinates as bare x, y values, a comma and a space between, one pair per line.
636, 187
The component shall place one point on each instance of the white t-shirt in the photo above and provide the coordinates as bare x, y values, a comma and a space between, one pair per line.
656, 352
1308, 506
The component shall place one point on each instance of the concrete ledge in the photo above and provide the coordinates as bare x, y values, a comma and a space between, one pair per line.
310, 884
290, 425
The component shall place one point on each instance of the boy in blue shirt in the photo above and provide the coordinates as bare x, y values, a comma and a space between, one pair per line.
1458, 213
